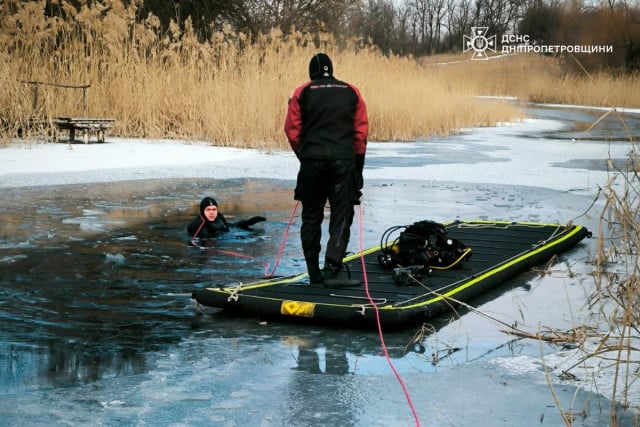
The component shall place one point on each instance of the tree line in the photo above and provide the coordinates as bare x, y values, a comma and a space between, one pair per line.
416, 27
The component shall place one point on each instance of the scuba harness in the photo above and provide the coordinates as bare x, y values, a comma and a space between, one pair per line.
420, 248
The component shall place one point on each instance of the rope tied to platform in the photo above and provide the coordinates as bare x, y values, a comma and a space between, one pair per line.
377, 314
234, 294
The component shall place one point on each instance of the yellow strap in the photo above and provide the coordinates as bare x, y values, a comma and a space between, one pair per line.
454, 263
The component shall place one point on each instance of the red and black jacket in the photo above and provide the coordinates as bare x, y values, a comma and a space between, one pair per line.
327, 119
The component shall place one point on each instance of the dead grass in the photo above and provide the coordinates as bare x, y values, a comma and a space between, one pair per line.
613, 340
617, 278
535, 78
229, 91
226, 90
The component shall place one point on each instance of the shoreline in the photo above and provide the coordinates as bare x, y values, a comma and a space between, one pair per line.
519, 163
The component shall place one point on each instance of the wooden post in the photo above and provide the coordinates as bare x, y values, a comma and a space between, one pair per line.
84, 101
36, 83
34, 99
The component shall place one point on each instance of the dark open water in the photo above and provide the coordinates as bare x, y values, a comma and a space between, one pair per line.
97, 325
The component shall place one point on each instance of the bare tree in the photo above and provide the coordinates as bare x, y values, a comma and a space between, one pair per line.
458, 22
498, 16
422, 27
379, 23
305, 15
402, 29
541, 21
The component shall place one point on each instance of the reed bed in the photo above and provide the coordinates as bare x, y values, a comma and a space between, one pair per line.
244, 105
232, 89
536, 78
228, 90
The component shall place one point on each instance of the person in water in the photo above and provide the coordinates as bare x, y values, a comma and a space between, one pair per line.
210, 222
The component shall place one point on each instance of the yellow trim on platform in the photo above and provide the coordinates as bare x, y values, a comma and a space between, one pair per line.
307, 309
489, 273
283, 280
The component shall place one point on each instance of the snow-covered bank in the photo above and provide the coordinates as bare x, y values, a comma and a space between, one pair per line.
485, 155
34, 164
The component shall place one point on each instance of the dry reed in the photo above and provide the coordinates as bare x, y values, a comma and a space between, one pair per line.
617, 279
544, 79
614, 341
229, 90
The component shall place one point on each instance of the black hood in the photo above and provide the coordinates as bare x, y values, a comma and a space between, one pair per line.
207, 201
320, 66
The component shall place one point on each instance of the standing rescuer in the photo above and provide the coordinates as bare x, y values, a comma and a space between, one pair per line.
327, 127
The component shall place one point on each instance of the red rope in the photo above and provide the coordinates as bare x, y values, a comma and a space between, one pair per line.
197, 231
239, 255
284, 240
382, 343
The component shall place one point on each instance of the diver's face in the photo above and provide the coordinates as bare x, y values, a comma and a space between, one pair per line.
211, 213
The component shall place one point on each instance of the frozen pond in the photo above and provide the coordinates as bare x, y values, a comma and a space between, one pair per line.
95, 280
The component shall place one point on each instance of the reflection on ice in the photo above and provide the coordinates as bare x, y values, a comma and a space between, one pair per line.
93, 222
95, 285
12, 259
116, 258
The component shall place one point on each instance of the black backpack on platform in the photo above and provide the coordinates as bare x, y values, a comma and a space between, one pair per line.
423, 243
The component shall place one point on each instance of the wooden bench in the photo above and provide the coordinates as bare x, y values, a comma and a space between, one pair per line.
86, 125
55, 125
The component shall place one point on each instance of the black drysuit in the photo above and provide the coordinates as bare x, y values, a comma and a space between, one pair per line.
327, 128
201, 227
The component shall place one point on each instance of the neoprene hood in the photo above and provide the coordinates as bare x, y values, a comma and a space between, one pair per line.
207, 201
320, 66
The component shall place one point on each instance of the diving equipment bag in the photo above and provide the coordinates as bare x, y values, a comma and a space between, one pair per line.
424, 243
